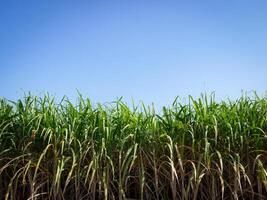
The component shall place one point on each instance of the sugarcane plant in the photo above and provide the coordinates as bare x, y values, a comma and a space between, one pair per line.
193, 149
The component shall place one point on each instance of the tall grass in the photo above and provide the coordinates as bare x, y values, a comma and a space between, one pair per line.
199, 150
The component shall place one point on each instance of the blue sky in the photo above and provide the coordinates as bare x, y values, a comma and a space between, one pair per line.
146, 50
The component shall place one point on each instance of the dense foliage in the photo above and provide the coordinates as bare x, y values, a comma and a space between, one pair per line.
201, 149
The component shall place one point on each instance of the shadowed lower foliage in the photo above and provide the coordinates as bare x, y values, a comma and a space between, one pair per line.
199, 150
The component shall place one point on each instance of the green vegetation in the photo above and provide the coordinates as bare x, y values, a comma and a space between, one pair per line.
199, 150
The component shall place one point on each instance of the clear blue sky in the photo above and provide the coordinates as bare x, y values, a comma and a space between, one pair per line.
149, 50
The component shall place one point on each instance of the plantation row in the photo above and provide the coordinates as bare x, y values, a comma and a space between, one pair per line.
199, 150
